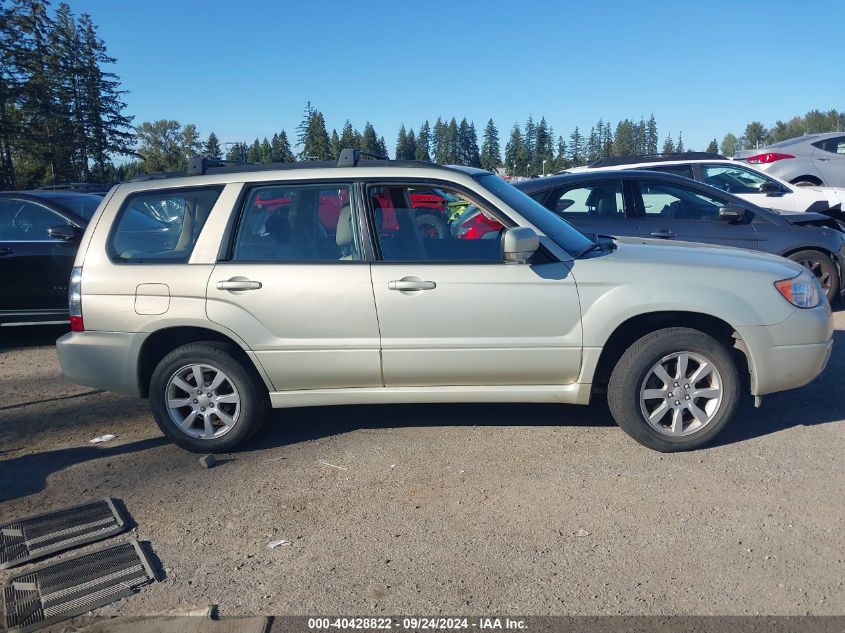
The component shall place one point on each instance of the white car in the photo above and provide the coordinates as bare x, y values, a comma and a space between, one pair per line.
741, 180
812, 159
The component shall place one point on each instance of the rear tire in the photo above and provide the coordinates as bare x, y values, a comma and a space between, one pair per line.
823, 269
685, 414
216, 416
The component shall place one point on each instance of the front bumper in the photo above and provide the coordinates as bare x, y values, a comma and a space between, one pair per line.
103, 360
790, 354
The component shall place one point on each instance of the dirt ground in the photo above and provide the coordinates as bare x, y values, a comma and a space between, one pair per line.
447, 509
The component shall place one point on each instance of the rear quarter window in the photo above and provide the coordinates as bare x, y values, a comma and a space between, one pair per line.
160, 226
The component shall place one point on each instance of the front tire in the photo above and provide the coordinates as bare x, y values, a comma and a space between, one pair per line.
674, 389
822, 268
206, 399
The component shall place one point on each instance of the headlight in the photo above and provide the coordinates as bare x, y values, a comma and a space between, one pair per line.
803, 290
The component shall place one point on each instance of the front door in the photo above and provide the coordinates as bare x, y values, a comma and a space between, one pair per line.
34, 267
296, 288
676, 212
451, 313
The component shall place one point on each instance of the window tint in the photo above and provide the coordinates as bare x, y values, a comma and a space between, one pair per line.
735, 179
314, 223
24, 221
599, 201
835, 145
679, 170
161, 226
667, 201
416, 224
82, 204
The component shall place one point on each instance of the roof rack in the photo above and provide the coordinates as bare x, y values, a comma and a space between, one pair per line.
349, 157
654, 158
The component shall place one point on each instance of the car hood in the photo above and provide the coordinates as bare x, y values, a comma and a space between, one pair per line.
701, 256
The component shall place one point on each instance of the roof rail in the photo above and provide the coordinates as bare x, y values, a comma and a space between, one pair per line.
654, 158
198, 165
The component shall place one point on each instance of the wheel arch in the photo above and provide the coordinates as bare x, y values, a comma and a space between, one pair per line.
807, 178
630, 330
161, 342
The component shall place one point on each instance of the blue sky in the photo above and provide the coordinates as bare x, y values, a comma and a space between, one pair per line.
246, 69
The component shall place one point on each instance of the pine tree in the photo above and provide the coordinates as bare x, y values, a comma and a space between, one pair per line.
369, 139
669, 145
65, 44
651, 138
713, 147
282, 151
561, 161
303, 129
10, 85
491, 156
108, 129
348, 137
679, 146
424, 143
576, 147
516, 155
463, 143
755, 135
438, 146
623, 140
543, 148
266, 151
212, 147
237, 152
381, 147
335, 143
254, 153
451, 141
607, 141
317, 145
593, 148
411, 145
401, 143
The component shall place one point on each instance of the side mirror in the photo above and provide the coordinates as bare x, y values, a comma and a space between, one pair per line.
731, 213
519, 244
564, 203
770, 188
64, 232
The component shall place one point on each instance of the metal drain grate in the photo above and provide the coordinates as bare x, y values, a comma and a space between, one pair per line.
35, 537
74, 586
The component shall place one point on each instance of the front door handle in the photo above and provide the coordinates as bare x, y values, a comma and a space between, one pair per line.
238, 284
6, 251
664, 233
411, 283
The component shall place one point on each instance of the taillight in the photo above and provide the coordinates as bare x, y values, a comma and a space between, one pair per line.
74, 300
768, 157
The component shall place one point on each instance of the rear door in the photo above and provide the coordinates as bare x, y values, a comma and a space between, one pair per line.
295, 286
669, 210
601, 207
33, 265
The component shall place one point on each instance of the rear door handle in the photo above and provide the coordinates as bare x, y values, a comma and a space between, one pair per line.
411, 284
238, 284
664, 233
6, 251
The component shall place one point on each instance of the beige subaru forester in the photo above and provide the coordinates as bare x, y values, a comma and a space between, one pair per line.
223, 292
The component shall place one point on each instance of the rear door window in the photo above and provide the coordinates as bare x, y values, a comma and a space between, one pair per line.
161, 226
298, 223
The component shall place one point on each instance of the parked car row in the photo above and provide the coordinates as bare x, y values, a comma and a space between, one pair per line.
809, 160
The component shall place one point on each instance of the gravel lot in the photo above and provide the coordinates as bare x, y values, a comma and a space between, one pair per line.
470, 509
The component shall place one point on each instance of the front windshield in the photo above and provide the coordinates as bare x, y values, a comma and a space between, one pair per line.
561, 231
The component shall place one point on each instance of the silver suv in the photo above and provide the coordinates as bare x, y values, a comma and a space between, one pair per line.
224, 292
